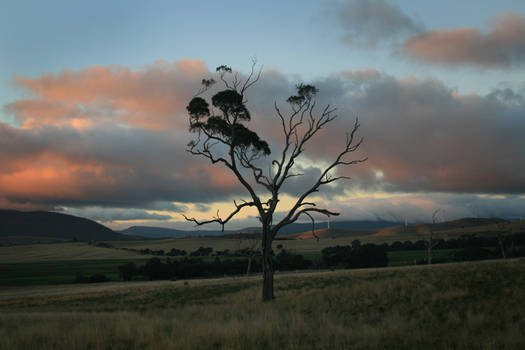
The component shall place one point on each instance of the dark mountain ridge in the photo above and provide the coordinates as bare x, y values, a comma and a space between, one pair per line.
54, 225
163, 232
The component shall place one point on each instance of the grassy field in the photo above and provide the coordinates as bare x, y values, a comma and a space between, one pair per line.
60, 262
64, 271
477, 305
408, 257
60, 251
59, 271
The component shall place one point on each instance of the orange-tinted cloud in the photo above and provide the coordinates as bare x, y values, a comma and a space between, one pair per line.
80, 147
153, 98
502, 46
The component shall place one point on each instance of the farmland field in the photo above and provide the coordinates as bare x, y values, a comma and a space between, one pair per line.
476, 305
59, 263
59, 271
60, 251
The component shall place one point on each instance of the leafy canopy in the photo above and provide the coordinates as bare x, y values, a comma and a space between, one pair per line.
226, 126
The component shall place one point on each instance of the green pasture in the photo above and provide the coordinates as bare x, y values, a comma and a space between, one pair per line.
59, 271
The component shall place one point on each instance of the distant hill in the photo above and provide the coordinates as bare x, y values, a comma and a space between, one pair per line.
455, 227
331, 233
158, 232
45, 226
362, 225
295, 228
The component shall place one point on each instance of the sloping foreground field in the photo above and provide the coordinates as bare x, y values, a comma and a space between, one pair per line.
449, 306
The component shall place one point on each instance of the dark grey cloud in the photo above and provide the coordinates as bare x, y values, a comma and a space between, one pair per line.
426, 137
420, 136
419, 207
109, 166
371, 22
507, 96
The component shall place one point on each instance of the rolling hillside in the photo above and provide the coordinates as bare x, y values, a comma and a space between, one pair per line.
332, 233
287, 231
19, 226
446, 230
450, 229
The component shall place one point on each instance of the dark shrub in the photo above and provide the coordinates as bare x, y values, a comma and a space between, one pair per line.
98, 278
368, 255
286, 260
128, 271
202, 251
474, 253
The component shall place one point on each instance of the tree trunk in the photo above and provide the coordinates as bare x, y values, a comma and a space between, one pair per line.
430, 246
249, 265
502, 245
267, 265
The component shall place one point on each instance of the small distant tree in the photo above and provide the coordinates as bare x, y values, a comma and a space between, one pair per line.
431, 243
502, 230
222, 137
251, 250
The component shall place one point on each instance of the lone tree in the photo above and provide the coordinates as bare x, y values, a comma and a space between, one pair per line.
502, 229
223, 138
430, 243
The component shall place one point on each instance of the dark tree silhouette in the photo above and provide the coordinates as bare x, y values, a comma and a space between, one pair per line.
431, 243
502, 229
223, 138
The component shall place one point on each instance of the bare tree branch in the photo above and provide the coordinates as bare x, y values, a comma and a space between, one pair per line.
324, 178
243, 150
217, 219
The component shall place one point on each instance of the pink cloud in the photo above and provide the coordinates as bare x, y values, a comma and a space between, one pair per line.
113, 136
152, 98
502, 46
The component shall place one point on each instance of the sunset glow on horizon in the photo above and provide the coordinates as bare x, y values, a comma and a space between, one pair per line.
94, 122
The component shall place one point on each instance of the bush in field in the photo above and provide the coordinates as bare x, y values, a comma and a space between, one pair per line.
155, 269
96, 278
128, 271
355, 256
474, 253
176, 252
202, 251
286, 260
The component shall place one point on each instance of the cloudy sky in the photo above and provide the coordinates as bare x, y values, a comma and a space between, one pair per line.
93, 97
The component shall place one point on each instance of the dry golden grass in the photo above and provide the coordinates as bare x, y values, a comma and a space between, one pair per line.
450, 306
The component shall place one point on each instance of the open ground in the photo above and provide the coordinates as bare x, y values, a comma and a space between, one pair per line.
475, 305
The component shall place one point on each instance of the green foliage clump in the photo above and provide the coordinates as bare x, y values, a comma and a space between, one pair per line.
226, 126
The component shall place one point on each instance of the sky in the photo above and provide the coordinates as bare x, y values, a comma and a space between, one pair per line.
93, 95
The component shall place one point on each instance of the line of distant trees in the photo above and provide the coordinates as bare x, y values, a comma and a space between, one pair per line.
465, 241
356, 255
